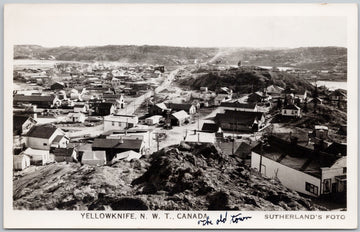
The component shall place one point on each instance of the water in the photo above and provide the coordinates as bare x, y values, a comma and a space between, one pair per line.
280, 68
332, 85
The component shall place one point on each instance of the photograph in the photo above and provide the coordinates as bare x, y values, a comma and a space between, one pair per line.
203, 113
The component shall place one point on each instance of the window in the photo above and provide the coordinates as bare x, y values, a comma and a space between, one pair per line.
311, 188
344, 170
44, 144
113, 123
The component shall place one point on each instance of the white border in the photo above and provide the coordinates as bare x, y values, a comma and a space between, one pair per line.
66, 219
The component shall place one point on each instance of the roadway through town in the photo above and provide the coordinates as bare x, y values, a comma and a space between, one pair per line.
132, 106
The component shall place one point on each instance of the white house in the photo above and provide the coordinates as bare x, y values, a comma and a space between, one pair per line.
76, 117
179, 118
60, 141
41, 137
299, 168
119, 122
153, 120
22, 124
20, 162
291, 110
37, 157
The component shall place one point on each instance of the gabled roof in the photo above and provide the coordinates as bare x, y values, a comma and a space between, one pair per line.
34, 98
295, 156
131, 144
180, 114
161, 106
63, 151
19, 120
337, 148
179, 106
237, 104
44, 132
210, 127
58, 138
103, 105
240, 117
291, 107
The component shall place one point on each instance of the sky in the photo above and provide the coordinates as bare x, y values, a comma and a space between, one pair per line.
184, 25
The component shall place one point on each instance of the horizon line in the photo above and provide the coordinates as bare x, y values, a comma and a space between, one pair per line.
178, 46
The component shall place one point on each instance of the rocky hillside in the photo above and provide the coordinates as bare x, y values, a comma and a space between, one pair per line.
125, 53
197, 177
246, 81
318, 58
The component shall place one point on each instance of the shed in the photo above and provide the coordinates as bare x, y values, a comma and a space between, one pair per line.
64, 154
179, 118
94, 157
37, 157
21, 162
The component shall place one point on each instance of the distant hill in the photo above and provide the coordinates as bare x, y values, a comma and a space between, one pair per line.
124, 53
242, 81
320, 58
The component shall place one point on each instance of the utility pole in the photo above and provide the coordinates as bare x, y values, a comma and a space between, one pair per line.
261, 155
157, 139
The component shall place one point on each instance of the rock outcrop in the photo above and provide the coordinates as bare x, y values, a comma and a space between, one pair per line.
183, 177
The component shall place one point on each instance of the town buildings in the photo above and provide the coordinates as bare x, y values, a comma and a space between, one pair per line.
299, 168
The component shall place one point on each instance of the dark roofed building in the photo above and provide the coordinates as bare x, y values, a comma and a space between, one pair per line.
237, 104
188, 108
64, 154
114, 146
257, 97
158, 109
337, 149
57, 85
40, 101
42, 137
43, 132
22, 124
244, 121
210, 127
299, 168
103, 108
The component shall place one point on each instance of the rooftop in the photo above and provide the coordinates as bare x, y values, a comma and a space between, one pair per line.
130, 144
240, 117
180, 114
63, 151
294, 156
44, 132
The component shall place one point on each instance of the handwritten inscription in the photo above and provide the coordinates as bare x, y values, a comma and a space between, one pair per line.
223, 218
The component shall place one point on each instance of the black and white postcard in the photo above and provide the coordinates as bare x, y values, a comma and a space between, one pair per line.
202, 116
